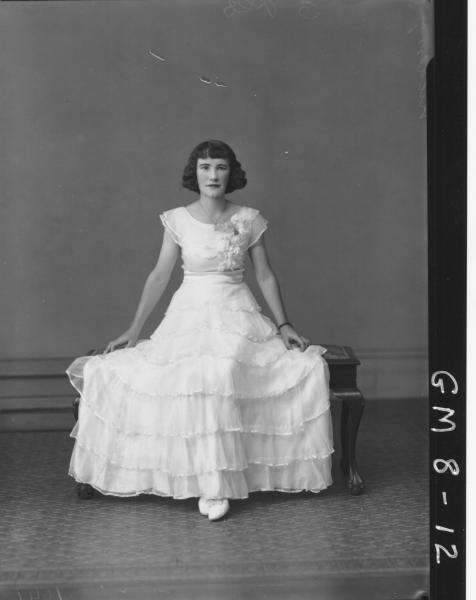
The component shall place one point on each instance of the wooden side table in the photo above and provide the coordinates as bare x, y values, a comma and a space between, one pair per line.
343, 383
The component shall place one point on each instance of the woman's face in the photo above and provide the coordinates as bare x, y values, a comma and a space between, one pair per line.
212, 176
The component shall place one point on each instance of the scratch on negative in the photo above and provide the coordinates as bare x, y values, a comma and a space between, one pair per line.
208, 81
156, 56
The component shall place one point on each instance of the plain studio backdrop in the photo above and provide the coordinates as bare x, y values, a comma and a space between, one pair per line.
323, 103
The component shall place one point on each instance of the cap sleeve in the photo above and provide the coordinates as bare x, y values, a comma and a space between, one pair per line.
170, 222
258, 227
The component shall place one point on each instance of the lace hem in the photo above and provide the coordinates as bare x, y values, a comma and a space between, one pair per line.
213, 307
195, 330
288, 461
200, 392
197, 494
194, 355
276, 430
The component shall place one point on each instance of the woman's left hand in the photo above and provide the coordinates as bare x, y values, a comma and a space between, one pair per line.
292, 339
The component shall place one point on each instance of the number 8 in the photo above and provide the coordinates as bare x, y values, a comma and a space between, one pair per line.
450, 464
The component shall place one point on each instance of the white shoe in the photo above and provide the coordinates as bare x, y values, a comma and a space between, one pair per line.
218, 509
204, 505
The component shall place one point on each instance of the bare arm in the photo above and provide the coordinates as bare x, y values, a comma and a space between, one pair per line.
154, 287
270, 289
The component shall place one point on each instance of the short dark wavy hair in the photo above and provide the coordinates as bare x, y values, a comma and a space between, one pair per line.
214, 149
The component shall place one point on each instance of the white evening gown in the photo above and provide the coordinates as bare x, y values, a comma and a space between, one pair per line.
213, 404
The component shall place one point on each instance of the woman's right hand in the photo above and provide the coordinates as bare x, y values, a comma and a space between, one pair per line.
128, 340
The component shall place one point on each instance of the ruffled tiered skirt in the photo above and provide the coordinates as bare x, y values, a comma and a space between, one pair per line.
213, 404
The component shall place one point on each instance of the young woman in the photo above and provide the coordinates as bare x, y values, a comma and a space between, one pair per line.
220, 401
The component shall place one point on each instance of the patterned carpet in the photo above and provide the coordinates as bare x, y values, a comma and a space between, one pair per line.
49, 536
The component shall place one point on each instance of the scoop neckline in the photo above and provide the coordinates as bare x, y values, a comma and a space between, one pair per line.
209, 224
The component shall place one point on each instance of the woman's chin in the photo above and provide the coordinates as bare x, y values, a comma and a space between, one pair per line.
214, 193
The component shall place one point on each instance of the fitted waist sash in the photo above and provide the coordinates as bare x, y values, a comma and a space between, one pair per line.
214, 276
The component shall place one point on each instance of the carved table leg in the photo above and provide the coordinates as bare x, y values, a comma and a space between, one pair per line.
344, 438
352, 408
76, 408
85, 491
